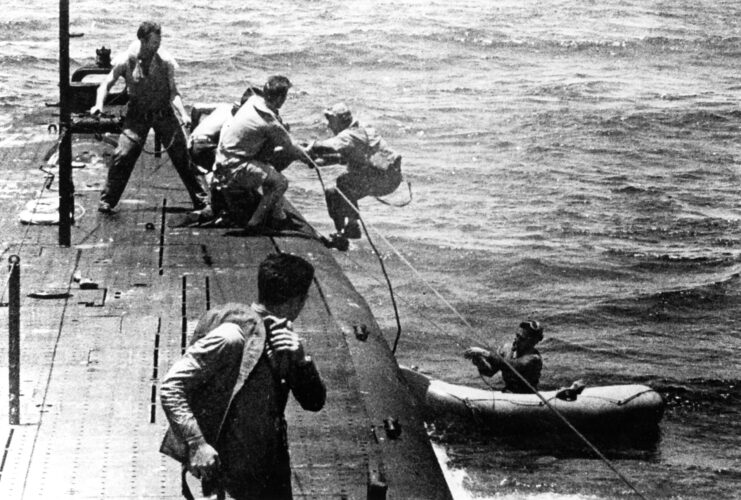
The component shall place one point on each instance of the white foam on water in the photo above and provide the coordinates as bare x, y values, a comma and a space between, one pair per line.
456, 479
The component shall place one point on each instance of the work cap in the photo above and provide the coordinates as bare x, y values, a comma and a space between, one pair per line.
339, 110
532, 329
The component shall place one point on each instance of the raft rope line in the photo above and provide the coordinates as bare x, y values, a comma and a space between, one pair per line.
509, 365
401, 204
396, 312
620, 402
375, 251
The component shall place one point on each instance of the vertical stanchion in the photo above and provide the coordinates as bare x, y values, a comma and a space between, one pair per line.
66, 195
14, 341
157, 145
184, 316
208, 294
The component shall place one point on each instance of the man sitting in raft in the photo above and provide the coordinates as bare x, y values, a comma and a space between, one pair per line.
520, 355
373, 168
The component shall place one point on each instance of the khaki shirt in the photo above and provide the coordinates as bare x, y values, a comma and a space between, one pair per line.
356, 144
253, 134
209, 128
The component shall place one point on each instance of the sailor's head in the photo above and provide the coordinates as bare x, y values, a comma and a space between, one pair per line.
275, 90
339, 117
150, 36
283, 282
531, 332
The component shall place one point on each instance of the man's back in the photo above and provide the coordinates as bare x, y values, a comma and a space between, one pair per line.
254, 128
357, 144
210, 126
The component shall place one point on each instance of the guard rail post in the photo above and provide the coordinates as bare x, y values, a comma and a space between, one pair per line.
14, 341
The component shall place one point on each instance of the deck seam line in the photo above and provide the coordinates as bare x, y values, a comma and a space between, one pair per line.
52, 365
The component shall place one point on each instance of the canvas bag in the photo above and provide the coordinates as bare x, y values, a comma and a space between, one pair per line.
378, 158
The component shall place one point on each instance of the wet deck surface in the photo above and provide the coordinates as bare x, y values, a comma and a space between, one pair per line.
90, 419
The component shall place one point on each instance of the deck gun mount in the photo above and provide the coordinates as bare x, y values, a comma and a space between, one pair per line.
82, 93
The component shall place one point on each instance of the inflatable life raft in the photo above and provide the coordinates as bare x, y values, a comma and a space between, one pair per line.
613, 408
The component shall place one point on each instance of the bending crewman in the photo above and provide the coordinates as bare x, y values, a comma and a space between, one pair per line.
373, 168
246, 159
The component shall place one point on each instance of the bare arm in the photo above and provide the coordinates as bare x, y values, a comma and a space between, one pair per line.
177, 103
484, 360
177, 100
103, 89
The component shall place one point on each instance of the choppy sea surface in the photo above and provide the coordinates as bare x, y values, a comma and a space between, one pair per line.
571, 161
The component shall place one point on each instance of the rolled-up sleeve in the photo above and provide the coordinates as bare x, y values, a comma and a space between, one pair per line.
346, 143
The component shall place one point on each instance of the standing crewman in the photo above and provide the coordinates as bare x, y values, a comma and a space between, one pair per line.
150, 81
373, 168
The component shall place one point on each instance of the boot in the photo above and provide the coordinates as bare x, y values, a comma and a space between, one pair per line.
351, 230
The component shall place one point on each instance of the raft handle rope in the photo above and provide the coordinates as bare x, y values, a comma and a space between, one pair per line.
398, 205
535, 391
367, 235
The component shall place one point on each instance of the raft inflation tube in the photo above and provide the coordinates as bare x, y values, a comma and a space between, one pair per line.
612, 408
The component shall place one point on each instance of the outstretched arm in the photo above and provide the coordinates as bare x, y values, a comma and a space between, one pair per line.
103, 89
483, 359
335, 149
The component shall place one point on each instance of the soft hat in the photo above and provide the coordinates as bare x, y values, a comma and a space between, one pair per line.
339, 110
532, 329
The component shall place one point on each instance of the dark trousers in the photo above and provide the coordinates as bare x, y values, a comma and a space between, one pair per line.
357, 185
130, 145
203, 155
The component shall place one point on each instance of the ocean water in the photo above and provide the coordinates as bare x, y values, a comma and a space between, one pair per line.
571, 161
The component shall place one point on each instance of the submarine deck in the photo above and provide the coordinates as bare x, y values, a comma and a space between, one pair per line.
92, 358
